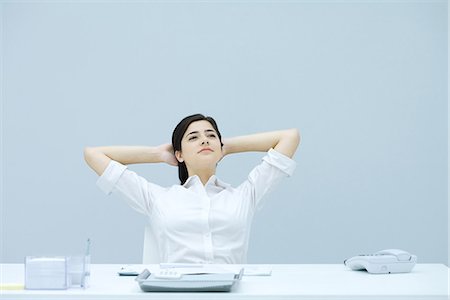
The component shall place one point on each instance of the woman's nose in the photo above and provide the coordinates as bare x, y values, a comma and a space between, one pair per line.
205, 142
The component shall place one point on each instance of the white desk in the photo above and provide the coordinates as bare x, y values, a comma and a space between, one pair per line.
426, 281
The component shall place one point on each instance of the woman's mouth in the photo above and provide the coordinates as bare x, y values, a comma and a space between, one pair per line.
205, 149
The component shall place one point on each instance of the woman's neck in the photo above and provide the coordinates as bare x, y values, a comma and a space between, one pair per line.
203, 174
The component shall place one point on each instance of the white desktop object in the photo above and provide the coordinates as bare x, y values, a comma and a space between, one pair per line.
46, 273
168, 274
383, 262
151, 251
168, 280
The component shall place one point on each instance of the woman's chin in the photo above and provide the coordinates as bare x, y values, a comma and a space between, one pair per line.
207, 162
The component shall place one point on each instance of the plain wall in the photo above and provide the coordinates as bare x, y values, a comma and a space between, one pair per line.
448, 132
364, 82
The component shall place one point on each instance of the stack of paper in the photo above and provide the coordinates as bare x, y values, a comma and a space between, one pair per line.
216, 269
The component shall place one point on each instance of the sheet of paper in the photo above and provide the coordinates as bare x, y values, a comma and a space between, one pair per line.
211, 268
257, 271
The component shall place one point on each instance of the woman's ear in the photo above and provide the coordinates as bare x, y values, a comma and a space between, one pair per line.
179, 156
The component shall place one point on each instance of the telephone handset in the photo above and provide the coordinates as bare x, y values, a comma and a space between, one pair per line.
383, 262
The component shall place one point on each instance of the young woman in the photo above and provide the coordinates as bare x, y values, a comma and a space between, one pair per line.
202, 220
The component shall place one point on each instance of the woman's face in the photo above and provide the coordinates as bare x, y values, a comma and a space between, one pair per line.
200, 146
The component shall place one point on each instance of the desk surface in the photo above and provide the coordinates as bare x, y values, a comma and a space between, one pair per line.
426, 281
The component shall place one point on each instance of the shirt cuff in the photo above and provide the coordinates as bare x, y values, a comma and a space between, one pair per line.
280, 161
110, 176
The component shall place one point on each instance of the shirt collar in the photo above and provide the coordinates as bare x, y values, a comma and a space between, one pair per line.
213, 180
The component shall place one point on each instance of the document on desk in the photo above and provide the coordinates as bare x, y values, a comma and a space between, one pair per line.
216, 269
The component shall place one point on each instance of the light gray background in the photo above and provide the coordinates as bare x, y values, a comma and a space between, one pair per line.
365, 83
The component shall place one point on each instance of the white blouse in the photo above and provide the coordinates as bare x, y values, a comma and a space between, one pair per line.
194, 223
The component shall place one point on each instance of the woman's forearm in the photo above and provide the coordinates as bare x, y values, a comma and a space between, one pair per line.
284, 141
132, 154
98, 158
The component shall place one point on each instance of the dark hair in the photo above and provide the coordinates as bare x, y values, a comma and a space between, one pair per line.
178, 134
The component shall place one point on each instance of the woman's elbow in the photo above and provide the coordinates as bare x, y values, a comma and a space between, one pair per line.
294, 135
89, 153
289, 141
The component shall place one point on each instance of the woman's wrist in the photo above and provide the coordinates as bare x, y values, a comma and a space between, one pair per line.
225, 147
166, 154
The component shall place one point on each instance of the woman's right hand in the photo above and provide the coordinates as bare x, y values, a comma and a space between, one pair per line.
167, 155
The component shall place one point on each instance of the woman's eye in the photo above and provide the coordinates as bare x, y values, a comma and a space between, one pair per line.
192, 138
212, 135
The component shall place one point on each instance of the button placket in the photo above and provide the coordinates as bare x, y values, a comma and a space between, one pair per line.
207, 238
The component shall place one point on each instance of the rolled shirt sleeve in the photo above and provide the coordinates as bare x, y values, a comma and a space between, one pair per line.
273, 168
280, 161
107, 181
136, 190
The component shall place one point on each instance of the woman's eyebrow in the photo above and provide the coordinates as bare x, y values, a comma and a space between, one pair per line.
206, 130
193, 132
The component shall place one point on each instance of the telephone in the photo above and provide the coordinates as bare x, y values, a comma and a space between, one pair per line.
383, 262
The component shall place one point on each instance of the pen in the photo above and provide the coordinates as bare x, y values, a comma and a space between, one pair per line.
88, 247
86, 261
11, 286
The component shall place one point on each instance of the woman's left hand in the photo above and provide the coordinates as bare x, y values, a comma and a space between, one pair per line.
167, 155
